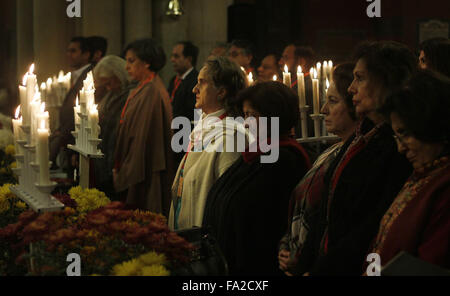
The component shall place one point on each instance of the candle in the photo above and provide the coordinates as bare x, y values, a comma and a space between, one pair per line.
286, 77
330, 68
275, 78
35, 106
326, 70
319, 71
76, 110
43, 92
23, 96
250, 79
301, 86
17, 122
315, 87
42, 154
31, 90
93, 122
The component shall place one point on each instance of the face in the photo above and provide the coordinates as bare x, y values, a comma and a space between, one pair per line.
417, 152
109, 83
249, 111
179, 62
207, 95
365, 95
288, 58
268, 68
422, 60
218, 52
76, 58
136, 68
337, 117
237, 55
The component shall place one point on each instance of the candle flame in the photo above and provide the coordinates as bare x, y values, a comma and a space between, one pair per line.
17, 112
76, 102
286, 69
315, 74
250, 76
330, 63
49, 81
43, 85
275, 78
31, 70
325, 64
319, 65
311, 72
328, 84
242, 68
299, 69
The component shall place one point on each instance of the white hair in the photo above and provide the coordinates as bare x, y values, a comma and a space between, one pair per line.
110, 66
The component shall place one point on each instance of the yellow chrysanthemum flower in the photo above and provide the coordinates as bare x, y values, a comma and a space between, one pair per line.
152, 258
4, 204
127, 268
21, 205
154, 270
10, 150
89, 199
13, 165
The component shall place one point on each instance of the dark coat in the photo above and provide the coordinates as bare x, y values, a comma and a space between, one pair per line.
247, 207
365, 190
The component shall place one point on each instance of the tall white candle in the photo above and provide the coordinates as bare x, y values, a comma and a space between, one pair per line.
287, 77
31, 90
35, 107
93, 122
43, 92
315, 88
319, 71
42, 155
17, 123
301, 87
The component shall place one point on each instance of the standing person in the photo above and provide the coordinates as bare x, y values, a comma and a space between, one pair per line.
219, 81
418, 221
184, 59
219, 49
363, 181
143, 158
435, 55
111, 74
98, 46
242, 54
341, 120
246, 207
79, 55
268, 68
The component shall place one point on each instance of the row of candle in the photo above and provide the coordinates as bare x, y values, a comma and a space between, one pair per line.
54, 90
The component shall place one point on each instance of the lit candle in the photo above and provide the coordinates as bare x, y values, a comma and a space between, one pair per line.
330, 67
43, 92
31, 90
319, 71
286, 77
76, 110
23, 97
315, 88
35, 107
301, 86
275, 78
42, 154
93, 122
17, 122
250, 79
326, 70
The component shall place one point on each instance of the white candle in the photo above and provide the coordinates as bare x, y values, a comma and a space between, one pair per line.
17, 122
76, 110
31, 90
330, 68
286, 77
42, 155
301, 86
315, 87
319, 71
35, 107
93, 122
43, 92
23, 97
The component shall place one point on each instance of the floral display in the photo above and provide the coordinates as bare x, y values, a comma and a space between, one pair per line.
7, 163
110, 239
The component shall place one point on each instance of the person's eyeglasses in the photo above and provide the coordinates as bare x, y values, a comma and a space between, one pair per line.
401, 138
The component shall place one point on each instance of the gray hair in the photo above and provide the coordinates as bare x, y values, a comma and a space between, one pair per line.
110, 66
227, 74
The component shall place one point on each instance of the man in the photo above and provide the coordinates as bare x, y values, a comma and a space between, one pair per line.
78, 55
98, 47
268, 68
184, 59
220, 49
294, 56
241, 52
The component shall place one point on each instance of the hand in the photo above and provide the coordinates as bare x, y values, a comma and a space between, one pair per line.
283, 259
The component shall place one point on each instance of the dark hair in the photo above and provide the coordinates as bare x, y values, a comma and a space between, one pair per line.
83, 42
149, 51
343, 77
389, 63
227, 74
272, 99
437, 54
307, 53
246, 46
423, 105
97, 43
190, 50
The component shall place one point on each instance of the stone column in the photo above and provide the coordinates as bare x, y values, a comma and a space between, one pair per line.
138, 20
53, 30
104, 18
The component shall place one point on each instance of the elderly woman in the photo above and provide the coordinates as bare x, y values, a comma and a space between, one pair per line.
245, 208
340, 119
218, 83
143, 158
111, 76
435, 55
418, 221
368, 172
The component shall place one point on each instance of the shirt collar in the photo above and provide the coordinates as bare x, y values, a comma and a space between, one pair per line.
76, 74
187, 73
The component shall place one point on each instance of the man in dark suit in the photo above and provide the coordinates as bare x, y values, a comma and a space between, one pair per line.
183, 59
79, 55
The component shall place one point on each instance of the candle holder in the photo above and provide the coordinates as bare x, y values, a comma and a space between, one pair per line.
37, 196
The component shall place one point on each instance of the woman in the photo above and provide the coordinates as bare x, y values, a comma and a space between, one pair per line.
110, 75
418, 221
245, 206
143, 158
218, 83
369, 172
340, 119
435, 55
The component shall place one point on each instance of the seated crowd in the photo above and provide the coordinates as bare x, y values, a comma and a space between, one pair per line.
383, 187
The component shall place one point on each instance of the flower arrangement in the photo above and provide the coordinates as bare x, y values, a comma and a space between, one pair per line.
103, 233
7, 163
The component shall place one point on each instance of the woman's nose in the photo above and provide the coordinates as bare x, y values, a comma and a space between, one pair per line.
324, 109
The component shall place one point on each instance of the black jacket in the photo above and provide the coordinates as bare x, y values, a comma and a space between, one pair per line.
246, 211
